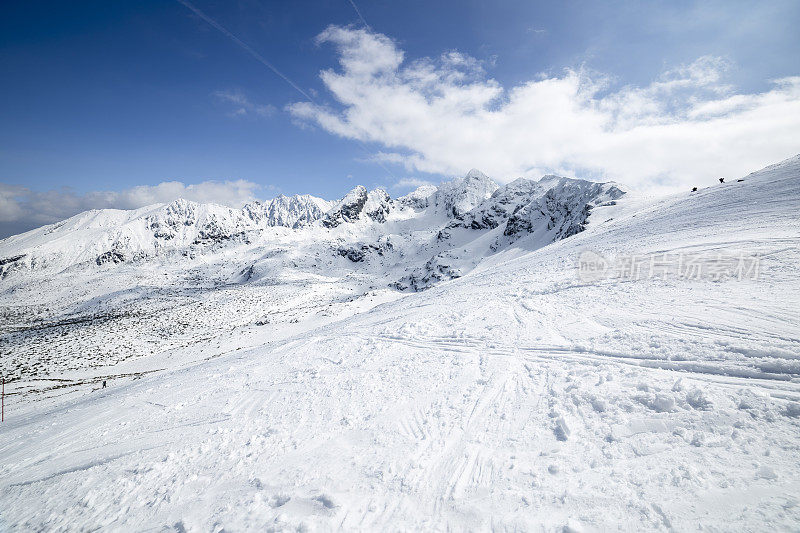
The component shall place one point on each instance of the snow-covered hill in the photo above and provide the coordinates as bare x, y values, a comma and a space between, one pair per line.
582, 359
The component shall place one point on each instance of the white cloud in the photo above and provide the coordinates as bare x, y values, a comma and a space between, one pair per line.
10, 210
410, 183
22, 209
445, 116
242, 106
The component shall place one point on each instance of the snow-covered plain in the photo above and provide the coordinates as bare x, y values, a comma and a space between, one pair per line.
293, 380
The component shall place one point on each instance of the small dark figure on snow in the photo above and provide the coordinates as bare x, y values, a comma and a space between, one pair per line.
104, 384
722, 180
694, 189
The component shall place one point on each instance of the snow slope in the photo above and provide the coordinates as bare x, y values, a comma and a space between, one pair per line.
518, 396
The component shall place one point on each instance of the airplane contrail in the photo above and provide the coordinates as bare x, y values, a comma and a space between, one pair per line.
358, 12
258, 57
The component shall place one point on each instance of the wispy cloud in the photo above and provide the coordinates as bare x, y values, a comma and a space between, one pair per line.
445, 115
22, 209
242, 106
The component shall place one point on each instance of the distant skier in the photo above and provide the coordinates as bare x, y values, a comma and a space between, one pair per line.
104, 384
722, 180
694, 189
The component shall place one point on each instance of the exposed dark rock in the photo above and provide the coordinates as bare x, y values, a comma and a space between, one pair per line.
111, 256
348, 209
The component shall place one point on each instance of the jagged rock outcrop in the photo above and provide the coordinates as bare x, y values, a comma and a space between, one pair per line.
359, 204
496, 209
348, 209
111, 256
378, 205
459, 196
553, 204
359, 252
440, 267
562, 211
191, 222
287, 211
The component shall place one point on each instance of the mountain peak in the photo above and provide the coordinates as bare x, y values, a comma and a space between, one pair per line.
181, 205
348, 209
459, 196
476, 174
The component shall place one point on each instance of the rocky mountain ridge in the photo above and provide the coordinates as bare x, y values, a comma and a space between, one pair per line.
420, 235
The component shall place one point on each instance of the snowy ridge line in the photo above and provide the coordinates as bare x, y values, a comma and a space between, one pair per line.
362, 224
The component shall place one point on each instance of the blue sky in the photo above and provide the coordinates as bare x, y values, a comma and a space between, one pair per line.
104, 97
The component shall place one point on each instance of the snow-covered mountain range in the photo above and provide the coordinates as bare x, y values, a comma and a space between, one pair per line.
472, 214
548, 355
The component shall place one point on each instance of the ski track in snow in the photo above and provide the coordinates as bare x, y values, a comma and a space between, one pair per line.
515, 398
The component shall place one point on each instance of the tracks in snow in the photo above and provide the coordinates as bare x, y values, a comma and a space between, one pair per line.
721, 372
